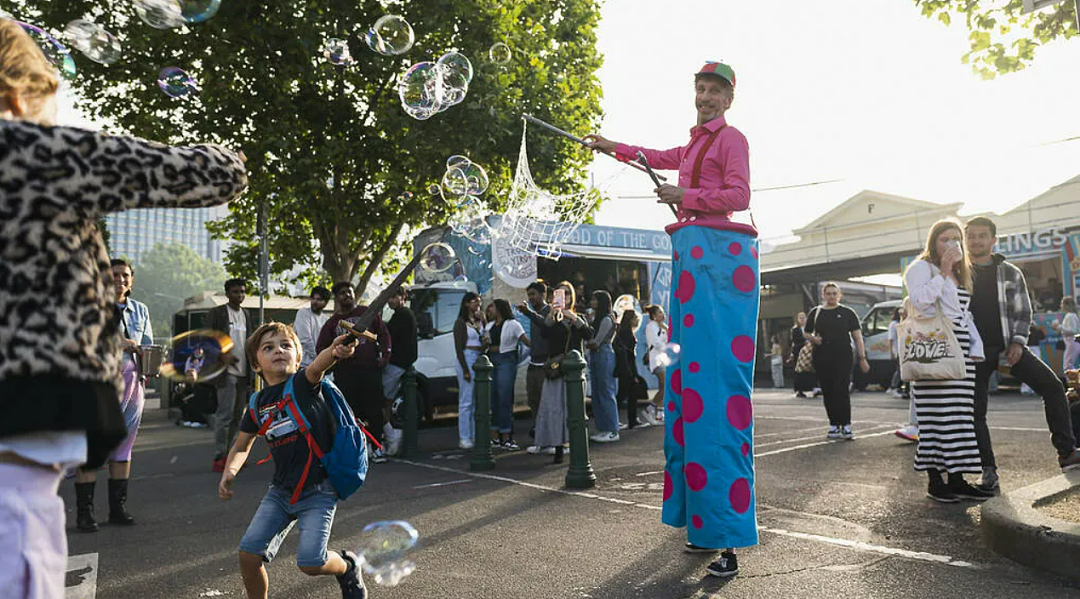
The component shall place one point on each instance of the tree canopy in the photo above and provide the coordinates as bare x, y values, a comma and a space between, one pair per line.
1004, 40
167, 275
330, 150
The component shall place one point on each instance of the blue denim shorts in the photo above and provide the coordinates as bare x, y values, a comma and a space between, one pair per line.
314, 512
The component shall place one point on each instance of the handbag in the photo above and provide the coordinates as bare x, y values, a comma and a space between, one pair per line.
929, 349
553, 365
805, 361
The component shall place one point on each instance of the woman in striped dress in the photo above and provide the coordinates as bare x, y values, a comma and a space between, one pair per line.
945, 409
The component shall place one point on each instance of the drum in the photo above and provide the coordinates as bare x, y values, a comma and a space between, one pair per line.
151, 357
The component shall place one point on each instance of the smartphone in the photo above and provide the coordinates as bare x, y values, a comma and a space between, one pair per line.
559, 299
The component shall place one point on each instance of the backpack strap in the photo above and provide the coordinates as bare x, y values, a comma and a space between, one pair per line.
302, 425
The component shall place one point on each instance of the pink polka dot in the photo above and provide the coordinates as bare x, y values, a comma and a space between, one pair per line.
677, 431
676, 382
745, 449
669, 487
696, 521
671, 406
688, 320
696, 477
735, 248
694, 367
739, 495
692, 405
753, 252
696, 252
739, 411
676, 255
744, 279
686, 287
742, 347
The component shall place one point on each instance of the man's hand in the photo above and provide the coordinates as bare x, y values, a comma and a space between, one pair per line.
669, 194
465, 374
129, 346
864, 365
523, 308
224, 489
1013, 354
602, 144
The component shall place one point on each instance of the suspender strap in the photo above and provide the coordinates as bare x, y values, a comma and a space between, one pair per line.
704, 149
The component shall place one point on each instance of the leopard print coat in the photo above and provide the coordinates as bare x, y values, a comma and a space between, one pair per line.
59, 347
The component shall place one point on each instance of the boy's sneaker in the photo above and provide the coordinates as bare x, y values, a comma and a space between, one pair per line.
605, 437
1070, 462
939, 491
377, 456
834, 432
691, 548
908, 433
352, 581
725, 567
962, 489
845, 432
989, 480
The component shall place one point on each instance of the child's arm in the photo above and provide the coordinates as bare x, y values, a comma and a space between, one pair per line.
338, 350
237, 456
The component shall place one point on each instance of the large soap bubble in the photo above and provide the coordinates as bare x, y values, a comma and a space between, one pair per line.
93, 41
419, 89
197, 356
160, 14
176, 83
197, 11
456, 62
391, 35
56, 53
437, 257
383, 550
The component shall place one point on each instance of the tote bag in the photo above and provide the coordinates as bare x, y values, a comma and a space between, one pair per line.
929, 350
805, 361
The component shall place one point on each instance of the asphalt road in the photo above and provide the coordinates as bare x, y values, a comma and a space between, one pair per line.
838, 519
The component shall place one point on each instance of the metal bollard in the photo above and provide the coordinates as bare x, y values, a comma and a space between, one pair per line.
482, 458
580, 474
411, 441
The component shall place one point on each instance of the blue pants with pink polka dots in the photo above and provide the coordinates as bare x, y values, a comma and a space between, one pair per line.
709, 470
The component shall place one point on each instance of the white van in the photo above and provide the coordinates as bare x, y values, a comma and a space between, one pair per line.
875, 331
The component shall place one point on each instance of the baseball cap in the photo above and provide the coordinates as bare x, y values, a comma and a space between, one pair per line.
720, 69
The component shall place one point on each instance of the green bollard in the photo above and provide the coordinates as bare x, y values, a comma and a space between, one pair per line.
580, 474
482, 458
411, 444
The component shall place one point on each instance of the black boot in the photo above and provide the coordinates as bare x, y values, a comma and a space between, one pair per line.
117, 498
84, 507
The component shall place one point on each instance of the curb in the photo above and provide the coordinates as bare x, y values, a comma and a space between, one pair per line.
1013, 528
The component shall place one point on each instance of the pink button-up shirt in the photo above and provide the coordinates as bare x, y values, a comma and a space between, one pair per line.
724, 182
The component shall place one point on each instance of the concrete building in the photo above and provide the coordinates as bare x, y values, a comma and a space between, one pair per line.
135, 232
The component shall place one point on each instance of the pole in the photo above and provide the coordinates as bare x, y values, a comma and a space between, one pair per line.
482, 458
572, 137
580, 475
411, 444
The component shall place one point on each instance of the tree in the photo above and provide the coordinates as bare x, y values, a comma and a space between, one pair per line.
1002, 39
329, 148
168, 274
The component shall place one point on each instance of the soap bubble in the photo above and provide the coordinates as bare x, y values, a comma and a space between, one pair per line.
455, 186
336, 51
383, 548
391, 35
461, 279
56, 53
624, 303
419, 90
175, 82
469, 221
406, 196
197, 11
670, 355
476, 177
499, 53
196, 356
452, 88
456, 160
437, 257
456, 62
93, 41
433, 189
160, 14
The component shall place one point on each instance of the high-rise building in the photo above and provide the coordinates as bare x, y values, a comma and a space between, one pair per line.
134, 232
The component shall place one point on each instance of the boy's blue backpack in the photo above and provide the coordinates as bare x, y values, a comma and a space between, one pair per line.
346, 463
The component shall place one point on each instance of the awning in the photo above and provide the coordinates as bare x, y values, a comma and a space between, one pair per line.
610, 253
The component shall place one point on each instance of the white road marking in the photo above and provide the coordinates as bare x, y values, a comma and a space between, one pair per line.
854, 545
825, 442
818, 436
649, 473
445, 484
80, 579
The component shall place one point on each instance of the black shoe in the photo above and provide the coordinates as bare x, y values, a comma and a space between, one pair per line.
351, 582
725, 567
939, 491
532, 433
84, 507
558, 455
800, 395
118, 513
962, 489
691, 548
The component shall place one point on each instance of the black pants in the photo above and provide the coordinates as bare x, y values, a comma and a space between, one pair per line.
626, 384
364, 393
1039, 377
833, 368
1074, 409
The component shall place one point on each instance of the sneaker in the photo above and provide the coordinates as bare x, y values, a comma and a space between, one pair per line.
352, 581
691, 548
219, 464
1070, 462
817, 392
377, 456
657, 416
466, 444
623, 426
533, 449
908, 433
510, 445
834, 432
939, 491
605, 437
650, 414
962, 489
725, 567
845, 432
393, 441
894, 393
989, 480
800, 395
495, 443
641, 424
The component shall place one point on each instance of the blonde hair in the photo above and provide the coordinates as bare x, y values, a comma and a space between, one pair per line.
24, 70
251, 346
962, 269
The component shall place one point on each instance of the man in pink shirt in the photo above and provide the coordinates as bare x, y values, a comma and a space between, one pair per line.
709, 469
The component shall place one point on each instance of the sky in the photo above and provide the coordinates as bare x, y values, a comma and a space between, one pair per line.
868, 91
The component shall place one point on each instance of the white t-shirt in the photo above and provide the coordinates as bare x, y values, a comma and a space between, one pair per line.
894, 338
511, 333
238, 331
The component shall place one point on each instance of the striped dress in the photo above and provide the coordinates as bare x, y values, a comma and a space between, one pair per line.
946, 414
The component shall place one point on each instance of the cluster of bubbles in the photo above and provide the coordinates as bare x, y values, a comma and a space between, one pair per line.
93, 41
384, 548
428, 88
170, 14
462, 184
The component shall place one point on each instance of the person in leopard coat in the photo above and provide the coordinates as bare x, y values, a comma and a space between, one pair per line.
60, 352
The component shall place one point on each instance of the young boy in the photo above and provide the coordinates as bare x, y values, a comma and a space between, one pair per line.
273, 351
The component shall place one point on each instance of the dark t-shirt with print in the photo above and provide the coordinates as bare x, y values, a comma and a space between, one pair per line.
288, 447
834, 326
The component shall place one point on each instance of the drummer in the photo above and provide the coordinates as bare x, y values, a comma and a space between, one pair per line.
135, 332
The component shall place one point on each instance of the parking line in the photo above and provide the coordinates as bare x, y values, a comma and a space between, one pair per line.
825, 442
80, 579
